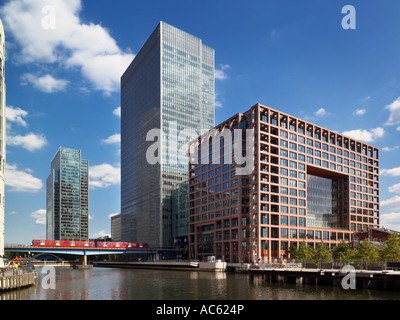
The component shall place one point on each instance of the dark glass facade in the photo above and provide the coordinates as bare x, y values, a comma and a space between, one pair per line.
322, 202
168, 87
68, 197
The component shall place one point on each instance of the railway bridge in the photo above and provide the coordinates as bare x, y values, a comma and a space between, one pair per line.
83, 252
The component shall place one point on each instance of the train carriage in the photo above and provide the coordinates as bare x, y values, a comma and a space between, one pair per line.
88, 244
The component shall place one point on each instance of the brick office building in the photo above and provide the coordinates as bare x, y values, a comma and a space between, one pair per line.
306, 183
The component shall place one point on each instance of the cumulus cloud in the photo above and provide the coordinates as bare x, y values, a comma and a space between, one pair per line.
39, 216
67, 42
360, 112
16, 115
394, 108
391, 204
104, 175
321, 112
394, 172
21, 180
390, 148
117, 112
114, 139
220, 73
30, 141
395, 188
365, 135
391, 220
101, 233
45, 83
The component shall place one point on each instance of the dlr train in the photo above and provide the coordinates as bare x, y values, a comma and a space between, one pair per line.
88, 244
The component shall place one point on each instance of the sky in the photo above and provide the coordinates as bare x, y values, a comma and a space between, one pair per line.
317, 60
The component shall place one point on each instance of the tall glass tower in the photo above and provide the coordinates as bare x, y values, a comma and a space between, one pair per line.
68, 197
167, 95
2, 138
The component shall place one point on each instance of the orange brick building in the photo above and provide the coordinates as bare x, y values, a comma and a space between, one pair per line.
306, 183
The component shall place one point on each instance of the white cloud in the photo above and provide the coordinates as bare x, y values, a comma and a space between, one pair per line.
360, 112
104, 175
390, 148
391, 204
16, 115
391, 220
395, 172
21, 181
45, 83
117, 112
321, 112
101, 233
365, 135
39, 216
395, 188
394, 108
220, 73
70, 44
30, 142
116, 138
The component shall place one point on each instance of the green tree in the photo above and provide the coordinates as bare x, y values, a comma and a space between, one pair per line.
302, 252
391, 248
322, 252
342, 251
367, 251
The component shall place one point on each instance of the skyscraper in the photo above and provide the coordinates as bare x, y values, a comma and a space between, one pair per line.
68, 197
167, 95
2, 138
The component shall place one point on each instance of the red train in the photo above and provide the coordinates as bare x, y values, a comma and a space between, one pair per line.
88, 244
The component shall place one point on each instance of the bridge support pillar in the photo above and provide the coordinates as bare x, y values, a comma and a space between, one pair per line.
83, 260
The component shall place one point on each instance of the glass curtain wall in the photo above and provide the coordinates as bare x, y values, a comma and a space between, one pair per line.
322, 202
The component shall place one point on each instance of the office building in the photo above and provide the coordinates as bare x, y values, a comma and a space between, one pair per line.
2, 139
68, 197
116, 227
167, 99
306, 183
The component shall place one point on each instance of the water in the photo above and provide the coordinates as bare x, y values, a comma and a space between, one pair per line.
140, 284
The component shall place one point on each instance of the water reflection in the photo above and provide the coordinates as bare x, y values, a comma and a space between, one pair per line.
139, 284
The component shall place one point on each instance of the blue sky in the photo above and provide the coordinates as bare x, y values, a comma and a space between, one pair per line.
65, 58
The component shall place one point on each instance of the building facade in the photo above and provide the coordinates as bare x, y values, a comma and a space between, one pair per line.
116, 227
67, 216
2, 139
167, 99
306, 183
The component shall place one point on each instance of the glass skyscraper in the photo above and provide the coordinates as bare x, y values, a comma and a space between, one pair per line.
68, 197
2, 138
167, 97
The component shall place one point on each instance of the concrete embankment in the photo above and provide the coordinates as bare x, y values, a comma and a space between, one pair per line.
165, 265
17, 279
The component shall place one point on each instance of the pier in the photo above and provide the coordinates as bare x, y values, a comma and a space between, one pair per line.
370, 279
17, 278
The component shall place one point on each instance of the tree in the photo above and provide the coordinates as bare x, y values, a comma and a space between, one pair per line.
322, 252
302, 252
342, 251
391, 248
367, 251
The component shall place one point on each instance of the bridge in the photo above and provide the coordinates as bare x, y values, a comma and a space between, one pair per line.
84, 252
